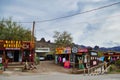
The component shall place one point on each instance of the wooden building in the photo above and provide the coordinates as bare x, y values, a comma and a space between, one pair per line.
111, 56
84, 58
62, 56
16, 51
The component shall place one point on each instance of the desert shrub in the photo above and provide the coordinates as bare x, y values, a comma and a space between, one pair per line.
117, 63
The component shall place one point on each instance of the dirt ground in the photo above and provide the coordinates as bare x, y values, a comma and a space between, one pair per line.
45, 67
51, 67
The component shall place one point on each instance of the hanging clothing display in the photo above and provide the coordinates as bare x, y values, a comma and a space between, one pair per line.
80, 62
85, 59
67, 64
60, 59
56, 59
64, 59
109, 58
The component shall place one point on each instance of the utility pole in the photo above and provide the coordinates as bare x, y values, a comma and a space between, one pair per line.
33, 42
32, 35
33, 31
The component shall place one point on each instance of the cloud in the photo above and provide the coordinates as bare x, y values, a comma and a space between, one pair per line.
88, 29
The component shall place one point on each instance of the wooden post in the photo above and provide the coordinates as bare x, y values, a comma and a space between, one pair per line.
84, 71
101, 69
22, 54
88, 71
32, 43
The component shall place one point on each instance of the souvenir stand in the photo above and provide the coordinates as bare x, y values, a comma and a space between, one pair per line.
93, 58
16, 51
80, 58
83, 58
111, 56
62, 56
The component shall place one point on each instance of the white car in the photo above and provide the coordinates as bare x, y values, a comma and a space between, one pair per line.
0, 60
41, 58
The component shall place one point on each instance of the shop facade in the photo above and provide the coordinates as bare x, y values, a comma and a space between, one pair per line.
111, 56
62, 56
42, 52
16, 51
82, 58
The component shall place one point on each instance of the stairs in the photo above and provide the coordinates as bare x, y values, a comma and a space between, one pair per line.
98, 70
15, 66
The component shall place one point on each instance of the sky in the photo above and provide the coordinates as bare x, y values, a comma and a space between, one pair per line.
99, 27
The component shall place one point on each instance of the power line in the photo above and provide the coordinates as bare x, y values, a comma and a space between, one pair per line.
80, 12
93, 20
95, 9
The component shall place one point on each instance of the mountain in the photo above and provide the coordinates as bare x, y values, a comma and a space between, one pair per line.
117, 48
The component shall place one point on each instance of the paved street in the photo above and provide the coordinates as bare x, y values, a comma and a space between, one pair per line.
59, 76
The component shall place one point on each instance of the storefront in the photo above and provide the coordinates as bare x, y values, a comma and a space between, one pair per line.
42, 52
83, 58
93, 58
62, 56
111, 56
16, 51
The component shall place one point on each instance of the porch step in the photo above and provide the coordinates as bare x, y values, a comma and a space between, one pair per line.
15, 66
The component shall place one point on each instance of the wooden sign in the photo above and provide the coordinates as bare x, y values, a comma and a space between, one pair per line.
80, 50
63, 50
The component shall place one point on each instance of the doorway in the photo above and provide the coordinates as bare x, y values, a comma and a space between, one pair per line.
16, 56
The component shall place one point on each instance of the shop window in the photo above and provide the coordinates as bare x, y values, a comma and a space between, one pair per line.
1, 56
9, 54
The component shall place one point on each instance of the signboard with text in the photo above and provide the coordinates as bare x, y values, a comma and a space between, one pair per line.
82, 50
14, 45
63, 50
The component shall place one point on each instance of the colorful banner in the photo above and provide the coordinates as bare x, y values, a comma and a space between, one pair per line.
82, 50
62, 50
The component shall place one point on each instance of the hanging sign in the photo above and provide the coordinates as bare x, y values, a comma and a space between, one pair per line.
74, 50
80, 50
94, 62
10, 44
63, 50
59, 50
67, 50
93, 54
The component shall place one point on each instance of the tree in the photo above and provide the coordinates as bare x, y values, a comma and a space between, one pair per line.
100, 54
63, 39
118, 63
42, 40
89, 48
10, 30
96, 47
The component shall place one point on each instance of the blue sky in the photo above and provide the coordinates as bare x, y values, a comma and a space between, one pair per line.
99, 27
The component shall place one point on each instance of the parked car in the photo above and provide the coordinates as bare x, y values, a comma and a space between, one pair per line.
41, 58
49, 57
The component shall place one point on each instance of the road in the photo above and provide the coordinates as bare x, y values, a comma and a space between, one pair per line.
59, 76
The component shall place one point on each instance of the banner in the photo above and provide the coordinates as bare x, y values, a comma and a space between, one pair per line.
14, 45
63, 50
82, 50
